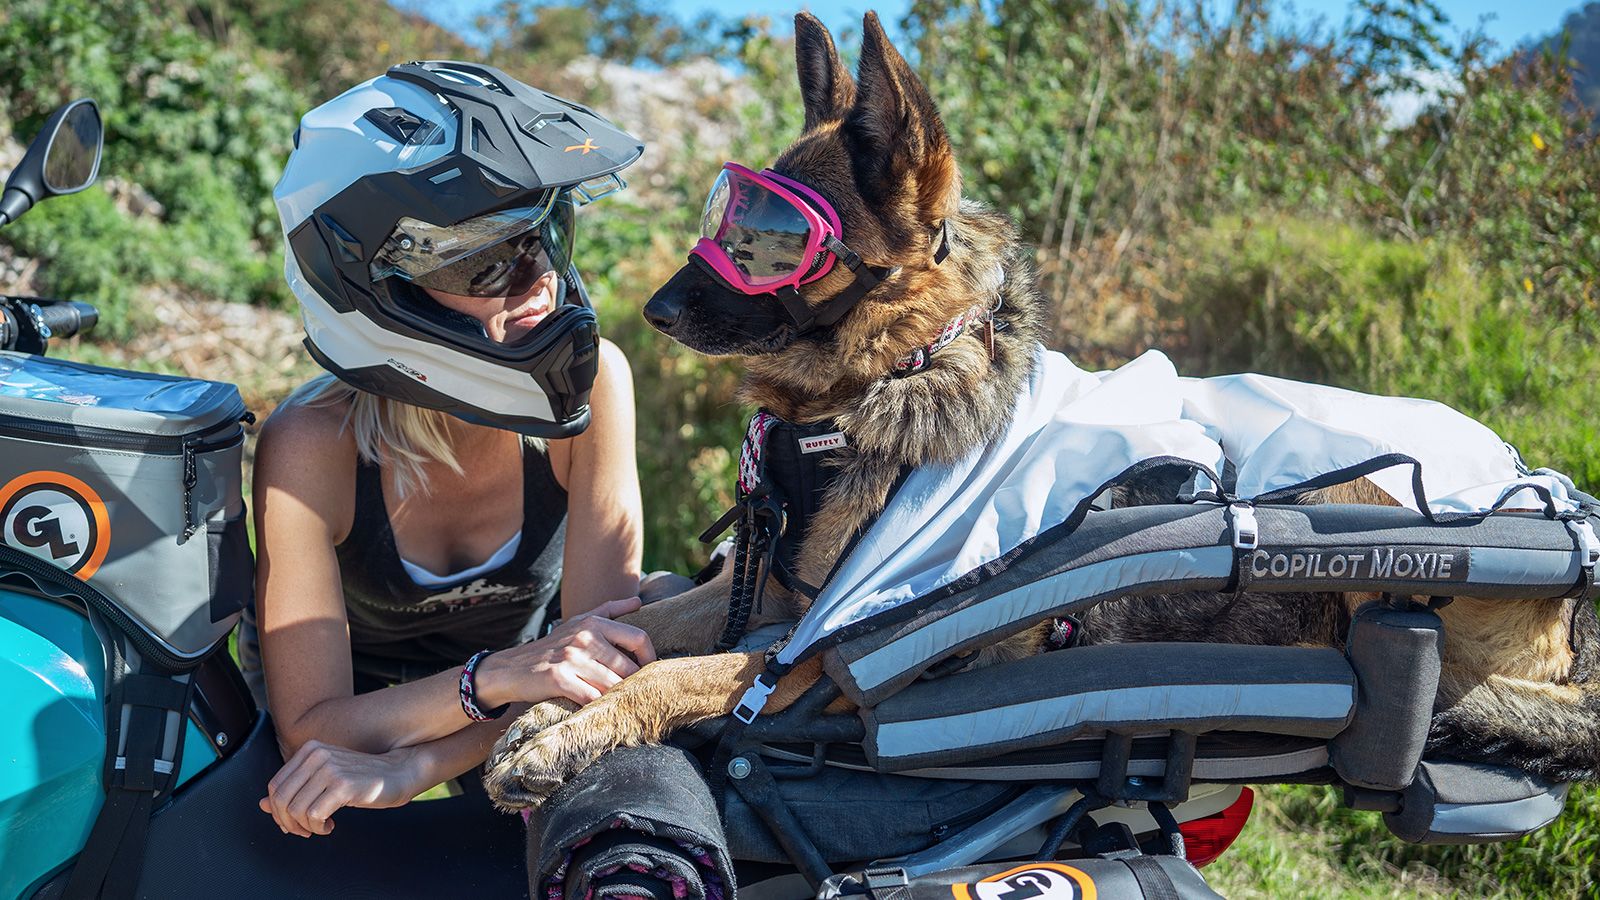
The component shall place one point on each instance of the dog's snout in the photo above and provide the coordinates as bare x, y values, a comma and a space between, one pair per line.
663, 312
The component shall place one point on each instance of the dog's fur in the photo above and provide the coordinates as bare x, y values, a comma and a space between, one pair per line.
1521, 684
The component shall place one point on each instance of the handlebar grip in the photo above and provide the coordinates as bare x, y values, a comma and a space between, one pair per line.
67, 319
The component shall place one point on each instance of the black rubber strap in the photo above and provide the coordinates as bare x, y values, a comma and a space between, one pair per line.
1154, 882
112, 859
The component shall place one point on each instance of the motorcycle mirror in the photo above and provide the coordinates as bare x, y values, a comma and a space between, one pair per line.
63, 159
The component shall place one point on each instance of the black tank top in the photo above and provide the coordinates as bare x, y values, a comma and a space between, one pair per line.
400, 630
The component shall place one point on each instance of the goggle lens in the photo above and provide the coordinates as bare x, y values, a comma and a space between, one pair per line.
763, 235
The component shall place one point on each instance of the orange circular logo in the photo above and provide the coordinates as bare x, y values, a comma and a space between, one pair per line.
57, 518
1041, 880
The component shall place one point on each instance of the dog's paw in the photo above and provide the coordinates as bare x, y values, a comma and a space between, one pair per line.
505, 784
525, 776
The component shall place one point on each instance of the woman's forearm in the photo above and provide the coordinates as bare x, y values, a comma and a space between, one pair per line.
444, 759
404, 715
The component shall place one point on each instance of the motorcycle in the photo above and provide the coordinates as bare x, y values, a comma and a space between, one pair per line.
135, 752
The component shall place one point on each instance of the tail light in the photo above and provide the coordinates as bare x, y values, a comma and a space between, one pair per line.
1205, 838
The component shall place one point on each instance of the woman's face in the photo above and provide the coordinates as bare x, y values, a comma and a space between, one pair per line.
506, 319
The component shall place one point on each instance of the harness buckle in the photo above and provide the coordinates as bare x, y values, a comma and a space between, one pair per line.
755, 698
1242, 518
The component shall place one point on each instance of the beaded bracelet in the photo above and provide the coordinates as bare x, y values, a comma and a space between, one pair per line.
468, 692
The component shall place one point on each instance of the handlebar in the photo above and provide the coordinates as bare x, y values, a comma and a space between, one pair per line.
67, 318
28, 323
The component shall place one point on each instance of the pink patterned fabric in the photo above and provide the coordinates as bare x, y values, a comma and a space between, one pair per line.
755, 439
555, 885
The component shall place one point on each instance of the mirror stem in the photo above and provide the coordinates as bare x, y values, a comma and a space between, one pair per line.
14, 203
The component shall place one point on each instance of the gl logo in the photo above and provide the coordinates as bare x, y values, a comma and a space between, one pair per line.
38, 526
57, 518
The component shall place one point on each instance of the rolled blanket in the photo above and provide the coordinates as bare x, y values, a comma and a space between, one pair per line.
638, 823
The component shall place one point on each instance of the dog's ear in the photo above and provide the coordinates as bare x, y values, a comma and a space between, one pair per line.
825, 84
898, 138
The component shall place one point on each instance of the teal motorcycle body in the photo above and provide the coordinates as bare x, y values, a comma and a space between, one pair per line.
52, 676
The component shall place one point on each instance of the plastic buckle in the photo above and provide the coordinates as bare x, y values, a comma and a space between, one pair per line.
1587, 541
1246, 534
885, 877
754, 698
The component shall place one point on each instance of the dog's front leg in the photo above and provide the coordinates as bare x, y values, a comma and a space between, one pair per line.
645, 708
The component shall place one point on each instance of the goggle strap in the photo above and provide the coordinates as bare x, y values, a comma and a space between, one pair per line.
867, 278
795, 306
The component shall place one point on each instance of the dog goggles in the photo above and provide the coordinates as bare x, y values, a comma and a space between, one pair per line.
763, 233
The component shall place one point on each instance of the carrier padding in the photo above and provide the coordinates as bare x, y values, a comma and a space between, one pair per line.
1466, 803
1157, 549
1395, 654
1130, 688
1218, 756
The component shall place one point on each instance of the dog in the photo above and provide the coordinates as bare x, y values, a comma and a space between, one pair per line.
1520, 682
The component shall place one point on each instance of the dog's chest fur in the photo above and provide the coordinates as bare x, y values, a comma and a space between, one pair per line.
938, 415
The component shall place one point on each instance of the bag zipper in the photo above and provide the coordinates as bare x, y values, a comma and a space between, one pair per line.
186, 446
45, 577
944, 829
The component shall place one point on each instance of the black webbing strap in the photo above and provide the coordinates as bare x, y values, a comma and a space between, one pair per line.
753, 549
1154, 882
135, 772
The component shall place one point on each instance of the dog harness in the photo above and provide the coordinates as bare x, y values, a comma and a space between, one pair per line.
784, 472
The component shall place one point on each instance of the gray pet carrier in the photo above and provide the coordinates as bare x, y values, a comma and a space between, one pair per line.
130, 482
1020, 533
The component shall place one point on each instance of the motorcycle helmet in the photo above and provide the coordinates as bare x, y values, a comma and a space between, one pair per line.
457, 177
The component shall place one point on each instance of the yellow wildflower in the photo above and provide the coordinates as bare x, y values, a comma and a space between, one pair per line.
1538, 143
1527, 285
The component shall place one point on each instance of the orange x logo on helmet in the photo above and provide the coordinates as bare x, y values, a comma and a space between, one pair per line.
587, 145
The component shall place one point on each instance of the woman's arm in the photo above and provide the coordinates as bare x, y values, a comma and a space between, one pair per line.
604, 518
321, 779
304, 499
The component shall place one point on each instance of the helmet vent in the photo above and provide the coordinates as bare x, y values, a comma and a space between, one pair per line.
403, 126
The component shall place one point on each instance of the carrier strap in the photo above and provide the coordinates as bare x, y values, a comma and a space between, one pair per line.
137, 769
1154, 882
1246, 538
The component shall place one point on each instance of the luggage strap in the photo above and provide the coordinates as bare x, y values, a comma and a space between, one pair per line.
1154, 882
137, 768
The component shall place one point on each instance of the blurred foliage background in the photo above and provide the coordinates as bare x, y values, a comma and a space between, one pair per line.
1213, 179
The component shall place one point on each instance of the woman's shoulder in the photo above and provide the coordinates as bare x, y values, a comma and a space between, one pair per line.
306, 450
311, 430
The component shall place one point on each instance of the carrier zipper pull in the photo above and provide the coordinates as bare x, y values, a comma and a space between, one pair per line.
190, 478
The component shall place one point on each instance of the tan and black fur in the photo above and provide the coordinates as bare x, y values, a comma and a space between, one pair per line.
1520, 682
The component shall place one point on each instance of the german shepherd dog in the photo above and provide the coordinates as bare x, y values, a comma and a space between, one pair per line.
1520, 682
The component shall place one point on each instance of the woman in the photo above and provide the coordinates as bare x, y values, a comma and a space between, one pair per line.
471, 448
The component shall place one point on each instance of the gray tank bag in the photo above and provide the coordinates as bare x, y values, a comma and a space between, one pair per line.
130, 482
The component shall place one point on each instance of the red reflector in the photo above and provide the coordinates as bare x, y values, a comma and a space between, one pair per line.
1205, 838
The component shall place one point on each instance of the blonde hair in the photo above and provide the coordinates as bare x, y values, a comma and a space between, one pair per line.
403, 436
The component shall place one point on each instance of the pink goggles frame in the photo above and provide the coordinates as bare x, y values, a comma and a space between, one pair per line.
822, 229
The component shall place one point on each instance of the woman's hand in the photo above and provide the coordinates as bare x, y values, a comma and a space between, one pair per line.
581, 660
321, 779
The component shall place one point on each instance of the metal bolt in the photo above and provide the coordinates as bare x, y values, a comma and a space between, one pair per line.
406, 243
739, 768
222, 739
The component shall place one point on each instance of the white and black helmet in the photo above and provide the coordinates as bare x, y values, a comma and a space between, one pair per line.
453, 176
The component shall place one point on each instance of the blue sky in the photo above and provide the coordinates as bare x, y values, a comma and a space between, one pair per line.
1507, 22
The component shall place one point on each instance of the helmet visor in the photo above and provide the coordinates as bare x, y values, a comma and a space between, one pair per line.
499, 254
763, 234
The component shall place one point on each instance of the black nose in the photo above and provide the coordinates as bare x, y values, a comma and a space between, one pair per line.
664, 309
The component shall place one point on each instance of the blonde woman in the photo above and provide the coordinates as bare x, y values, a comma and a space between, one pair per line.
470, 451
